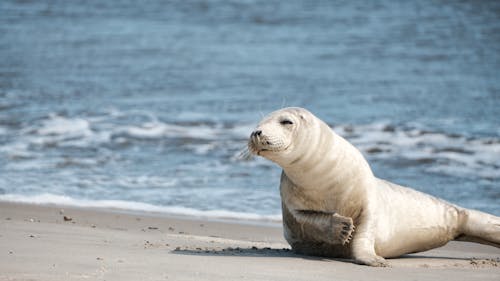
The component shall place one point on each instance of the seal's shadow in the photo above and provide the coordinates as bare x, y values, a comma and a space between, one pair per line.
250, 252
229, 251
270, 252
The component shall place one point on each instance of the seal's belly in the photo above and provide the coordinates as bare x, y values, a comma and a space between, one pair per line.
411, 221
411, 240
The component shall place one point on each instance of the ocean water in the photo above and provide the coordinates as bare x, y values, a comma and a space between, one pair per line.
147, 105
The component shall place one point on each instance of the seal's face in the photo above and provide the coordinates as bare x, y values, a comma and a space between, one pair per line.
276, 136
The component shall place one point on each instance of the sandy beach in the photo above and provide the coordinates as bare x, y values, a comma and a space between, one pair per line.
67, 243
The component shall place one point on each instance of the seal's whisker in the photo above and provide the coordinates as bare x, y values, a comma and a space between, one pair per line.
245, 154
283, 102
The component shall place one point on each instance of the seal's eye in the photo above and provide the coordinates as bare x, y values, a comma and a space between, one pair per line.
286, 122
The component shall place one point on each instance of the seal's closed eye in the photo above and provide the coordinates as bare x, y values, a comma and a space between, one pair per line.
286, 122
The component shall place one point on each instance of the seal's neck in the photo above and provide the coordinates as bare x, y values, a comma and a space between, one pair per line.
325, 159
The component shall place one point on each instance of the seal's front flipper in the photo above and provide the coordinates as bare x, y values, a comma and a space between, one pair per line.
342, 229
330, 228
371, 260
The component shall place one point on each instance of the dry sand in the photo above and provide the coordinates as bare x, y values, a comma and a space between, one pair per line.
39, 243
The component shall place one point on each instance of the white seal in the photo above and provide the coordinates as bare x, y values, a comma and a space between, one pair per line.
334, 206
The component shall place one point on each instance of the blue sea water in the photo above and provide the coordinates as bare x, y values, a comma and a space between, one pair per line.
146, 105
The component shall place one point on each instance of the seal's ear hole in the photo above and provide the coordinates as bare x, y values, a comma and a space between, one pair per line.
302, 117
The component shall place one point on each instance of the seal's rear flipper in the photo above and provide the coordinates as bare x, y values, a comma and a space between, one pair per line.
479, 227
476, 240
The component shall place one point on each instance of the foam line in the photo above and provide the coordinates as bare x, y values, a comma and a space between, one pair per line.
48, 198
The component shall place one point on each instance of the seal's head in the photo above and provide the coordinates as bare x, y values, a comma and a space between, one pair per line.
280, 134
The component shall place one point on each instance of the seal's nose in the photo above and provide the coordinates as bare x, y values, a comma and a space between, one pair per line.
256, 133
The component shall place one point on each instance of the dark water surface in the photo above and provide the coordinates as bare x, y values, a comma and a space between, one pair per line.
147, 105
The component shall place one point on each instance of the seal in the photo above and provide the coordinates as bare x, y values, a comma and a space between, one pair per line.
334, 206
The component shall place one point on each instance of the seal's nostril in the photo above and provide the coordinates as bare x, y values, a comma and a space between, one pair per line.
257, 133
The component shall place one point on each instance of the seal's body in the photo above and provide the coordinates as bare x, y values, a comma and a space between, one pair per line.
334, 206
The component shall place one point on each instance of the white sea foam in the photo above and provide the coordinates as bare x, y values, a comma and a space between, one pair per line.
48, 198
59, 131
453, 155
379, 140
145, 182
159, 130
58, 125
62, 131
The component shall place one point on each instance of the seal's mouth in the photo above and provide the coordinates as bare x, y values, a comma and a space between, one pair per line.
260, 144
253, 147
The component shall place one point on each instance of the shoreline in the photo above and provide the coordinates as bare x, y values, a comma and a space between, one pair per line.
48, 199
49, 242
